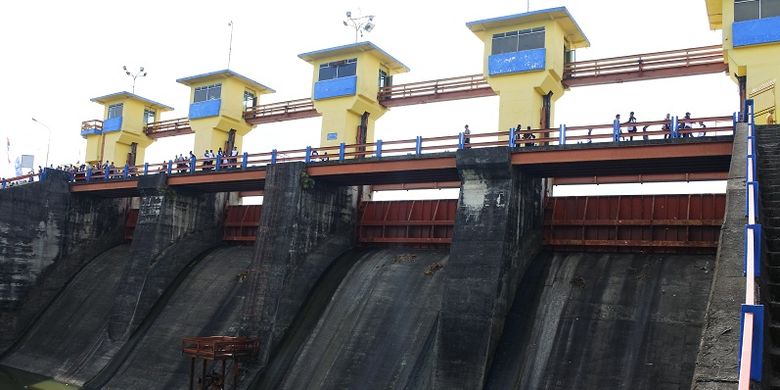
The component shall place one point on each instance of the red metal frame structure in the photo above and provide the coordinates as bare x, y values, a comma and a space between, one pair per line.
646, 222
674, 63
218, 348
648, 66
241, 223
418, 222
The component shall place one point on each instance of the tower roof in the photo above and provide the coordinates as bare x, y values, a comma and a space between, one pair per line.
561, 15
124, 94
393, 64
221, 75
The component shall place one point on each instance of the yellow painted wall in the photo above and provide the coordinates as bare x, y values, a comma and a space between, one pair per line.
115, 146
212, 132
760, 63
521, 93
342, 114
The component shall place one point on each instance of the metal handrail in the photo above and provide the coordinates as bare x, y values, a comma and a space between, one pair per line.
752, 259
92, 124
167, 125
515, 138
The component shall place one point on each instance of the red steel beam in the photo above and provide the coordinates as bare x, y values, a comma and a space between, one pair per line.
623, 153
281, 117
416, 186
690, 70
104, 186
438, 97
379, 166
648, 178
217, 177
634, 243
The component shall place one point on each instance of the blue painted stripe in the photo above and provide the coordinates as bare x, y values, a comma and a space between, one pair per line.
92, 131
113, 124
516, 62
757, 354
756, 31
342, 86
205, 109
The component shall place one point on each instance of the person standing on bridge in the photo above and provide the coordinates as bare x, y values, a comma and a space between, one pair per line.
466, 136
234, 157
616, 129
770, 119
667, 127
632, 124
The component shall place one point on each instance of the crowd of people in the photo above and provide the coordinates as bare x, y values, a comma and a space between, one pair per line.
685, 123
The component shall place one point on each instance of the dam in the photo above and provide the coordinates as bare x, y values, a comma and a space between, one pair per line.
159, 276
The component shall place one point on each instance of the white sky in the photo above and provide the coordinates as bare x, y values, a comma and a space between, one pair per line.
56, 55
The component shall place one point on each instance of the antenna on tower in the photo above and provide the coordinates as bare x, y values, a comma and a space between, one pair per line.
230, 46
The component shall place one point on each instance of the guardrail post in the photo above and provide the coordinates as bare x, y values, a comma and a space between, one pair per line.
512, 137
273, 157
749, 107
342, 151
170, 167
562, 135
146, 169
616, 130
125, 171
735, 118
461, 141
418, 146
218, 162
757, 354
192, 164
307, 159
88, 174
675, 127
378, 151
42, 175
244, 160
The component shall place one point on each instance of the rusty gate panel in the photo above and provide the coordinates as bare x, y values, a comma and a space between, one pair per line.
688, 222
130, 221
419, 222
241, 223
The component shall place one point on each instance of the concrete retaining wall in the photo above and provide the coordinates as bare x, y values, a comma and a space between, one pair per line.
47, 235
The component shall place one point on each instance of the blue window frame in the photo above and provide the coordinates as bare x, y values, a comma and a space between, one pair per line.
519, 40
114, 111
206, 93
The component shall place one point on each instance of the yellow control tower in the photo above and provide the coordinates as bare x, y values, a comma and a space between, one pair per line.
120, 137
751, 47
217, 103
524, 61
347, 80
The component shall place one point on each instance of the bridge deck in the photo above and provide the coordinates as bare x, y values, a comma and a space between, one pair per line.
676, 156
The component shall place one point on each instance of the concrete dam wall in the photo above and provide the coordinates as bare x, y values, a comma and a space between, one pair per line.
493, 310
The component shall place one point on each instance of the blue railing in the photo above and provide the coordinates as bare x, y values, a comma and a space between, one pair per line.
560, 136
752, 315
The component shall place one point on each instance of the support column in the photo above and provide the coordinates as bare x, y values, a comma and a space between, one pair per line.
173, 229
305, 226
497, 233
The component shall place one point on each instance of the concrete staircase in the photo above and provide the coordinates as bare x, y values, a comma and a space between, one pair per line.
768, 150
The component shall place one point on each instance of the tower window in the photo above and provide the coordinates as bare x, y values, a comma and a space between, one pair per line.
512, 41
209, 92
114, 111
338, 69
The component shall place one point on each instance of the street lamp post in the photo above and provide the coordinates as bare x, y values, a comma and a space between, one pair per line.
136, 75
48, 142
359, 23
